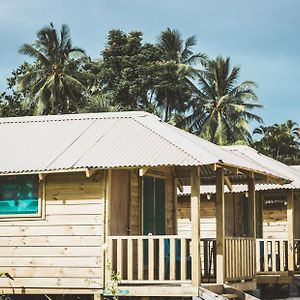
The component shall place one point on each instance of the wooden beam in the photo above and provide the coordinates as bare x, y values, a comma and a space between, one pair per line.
290, 229
90, 172
228, 183
220, 219
179, 185
143, 171
42, 176
195, 217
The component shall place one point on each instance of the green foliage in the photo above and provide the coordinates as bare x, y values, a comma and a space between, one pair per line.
280, 141
53, 84
221, 110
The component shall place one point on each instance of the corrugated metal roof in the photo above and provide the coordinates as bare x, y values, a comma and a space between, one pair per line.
292, 172
106, 140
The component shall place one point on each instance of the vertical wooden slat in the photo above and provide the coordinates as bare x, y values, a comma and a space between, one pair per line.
172, 259
227, 259
220, 219
243, 264
140, 259
183, 258
281, 252
290, 228
161, 266
258, 256
129, 259
195, 217
120, 257
273, 249
236, 259
151, 259
266, 259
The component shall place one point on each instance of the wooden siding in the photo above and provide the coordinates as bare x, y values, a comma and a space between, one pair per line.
275, 221
274, 218
63, 250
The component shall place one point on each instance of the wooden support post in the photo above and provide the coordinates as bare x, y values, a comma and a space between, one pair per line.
195, 217
252, 207
259, 215
252, 222
290, 228
220, 218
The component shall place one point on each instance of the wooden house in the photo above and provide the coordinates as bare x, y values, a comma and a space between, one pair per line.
86, 197
277, 220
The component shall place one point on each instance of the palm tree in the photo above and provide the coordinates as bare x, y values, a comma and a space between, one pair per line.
280, 141
176, 52
54, 83
222, 108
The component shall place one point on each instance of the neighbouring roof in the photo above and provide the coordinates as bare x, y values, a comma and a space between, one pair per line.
106, 140
292, 172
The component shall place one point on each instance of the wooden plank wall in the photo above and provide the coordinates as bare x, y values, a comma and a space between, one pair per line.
62, 251
275, 221
274, 216
207, 216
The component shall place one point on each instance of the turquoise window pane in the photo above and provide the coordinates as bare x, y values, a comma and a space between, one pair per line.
19, 195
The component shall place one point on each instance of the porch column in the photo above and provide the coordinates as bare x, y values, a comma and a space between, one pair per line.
252, 207
290, 228
195, 218
220, 219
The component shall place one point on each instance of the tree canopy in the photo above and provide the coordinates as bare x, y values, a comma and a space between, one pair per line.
169, 78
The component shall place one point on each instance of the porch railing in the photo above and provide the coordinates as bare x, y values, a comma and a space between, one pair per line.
271, 255
150, 259
239, 258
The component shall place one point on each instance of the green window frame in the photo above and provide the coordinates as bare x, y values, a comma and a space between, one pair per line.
20, 196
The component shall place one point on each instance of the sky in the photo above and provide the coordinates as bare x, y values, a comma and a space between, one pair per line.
262, 36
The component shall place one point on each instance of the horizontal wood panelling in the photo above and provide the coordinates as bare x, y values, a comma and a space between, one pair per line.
50, 282
55, 272
28, 262
49, 251
53, 241
51, 230
64, 250
54, 220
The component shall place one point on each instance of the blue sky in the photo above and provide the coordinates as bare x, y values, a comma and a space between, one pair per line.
260, 35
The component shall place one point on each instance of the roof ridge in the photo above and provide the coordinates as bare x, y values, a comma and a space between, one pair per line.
74, 117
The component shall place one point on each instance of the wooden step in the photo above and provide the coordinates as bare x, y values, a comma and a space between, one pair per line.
230, 296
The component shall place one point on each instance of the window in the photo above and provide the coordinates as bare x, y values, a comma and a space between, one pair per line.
19, 195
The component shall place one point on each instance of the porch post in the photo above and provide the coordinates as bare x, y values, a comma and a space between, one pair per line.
252, 207
195, 218
290, 228
220, 219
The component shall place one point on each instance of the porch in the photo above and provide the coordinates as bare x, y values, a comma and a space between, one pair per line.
142, 257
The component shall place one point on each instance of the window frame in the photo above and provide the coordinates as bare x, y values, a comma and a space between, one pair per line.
40, 214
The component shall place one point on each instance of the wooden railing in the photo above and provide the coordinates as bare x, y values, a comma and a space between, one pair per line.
297, 255
239, 258
271, 255
150, 259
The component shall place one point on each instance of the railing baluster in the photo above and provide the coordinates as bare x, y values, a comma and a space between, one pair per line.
129, 259
273, 251
120, 257
161, 259
172, 259
140, 259
183, 258
266, 256
281, 253
258, 256
151, 259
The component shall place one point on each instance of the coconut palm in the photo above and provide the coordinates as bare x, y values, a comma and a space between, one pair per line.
182, 62
53, 83
223, 107
280, 141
